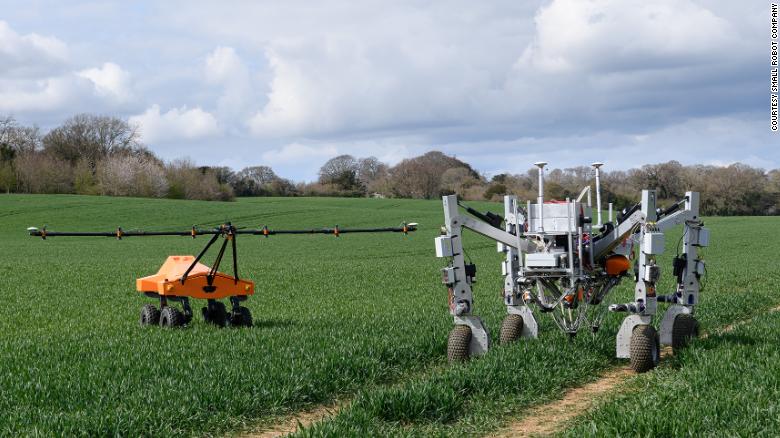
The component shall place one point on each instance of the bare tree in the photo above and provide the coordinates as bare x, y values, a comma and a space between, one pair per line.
457, 179
259, 181
259, 175
131, 175
91, 138
370, 169
7, 177
39, 172
186, 181
16, 139
421, 177
341, 171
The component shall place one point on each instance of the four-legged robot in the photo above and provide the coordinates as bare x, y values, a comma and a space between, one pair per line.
559, 262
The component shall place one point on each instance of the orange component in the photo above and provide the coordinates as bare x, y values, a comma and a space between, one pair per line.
167, 281
617, 264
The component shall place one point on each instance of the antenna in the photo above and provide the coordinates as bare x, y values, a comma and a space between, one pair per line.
597, 165
540, 199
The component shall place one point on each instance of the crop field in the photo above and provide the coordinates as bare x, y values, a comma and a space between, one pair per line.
359, 318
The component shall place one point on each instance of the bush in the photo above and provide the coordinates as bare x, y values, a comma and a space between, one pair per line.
495, 189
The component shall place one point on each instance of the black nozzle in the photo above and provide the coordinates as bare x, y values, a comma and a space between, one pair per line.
627, 212
491, 218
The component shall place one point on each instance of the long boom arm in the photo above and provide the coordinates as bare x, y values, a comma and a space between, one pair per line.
193, 232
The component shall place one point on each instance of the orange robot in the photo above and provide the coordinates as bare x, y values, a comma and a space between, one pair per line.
183, 277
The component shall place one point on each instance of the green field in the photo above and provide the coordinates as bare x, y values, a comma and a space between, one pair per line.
360, 317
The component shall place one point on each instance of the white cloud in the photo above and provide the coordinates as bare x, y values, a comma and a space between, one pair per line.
30, 55
226, 69
33, 75
498, 83
573, 35
176, 123
109, 81
36, 76
41, 95
296, 152
223, 65
326, 85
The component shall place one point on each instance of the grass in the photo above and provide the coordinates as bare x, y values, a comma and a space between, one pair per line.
494, 389
360, 316
725, 385
332, 315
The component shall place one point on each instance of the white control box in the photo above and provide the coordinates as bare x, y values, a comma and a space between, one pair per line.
653, 243
541, 260
702, 237
700, 267
443, 246
448, 275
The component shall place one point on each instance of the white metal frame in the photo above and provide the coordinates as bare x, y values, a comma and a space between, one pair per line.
576, 269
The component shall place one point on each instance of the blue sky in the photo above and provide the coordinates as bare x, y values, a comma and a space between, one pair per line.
498, 84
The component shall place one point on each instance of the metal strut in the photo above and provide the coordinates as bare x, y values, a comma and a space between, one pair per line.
197, 259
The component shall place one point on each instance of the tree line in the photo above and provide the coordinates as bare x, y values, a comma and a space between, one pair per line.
101, 155
97, 155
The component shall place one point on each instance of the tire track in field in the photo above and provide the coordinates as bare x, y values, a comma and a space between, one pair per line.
304, 419
554, 416
542, 420
298, 421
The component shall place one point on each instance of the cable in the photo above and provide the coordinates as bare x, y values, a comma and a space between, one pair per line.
685, 231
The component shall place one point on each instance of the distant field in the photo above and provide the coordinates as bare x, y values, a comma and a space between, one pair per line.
360, 317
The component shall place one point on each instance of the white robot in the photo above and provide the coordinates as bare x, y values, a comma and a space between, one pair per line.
559, 262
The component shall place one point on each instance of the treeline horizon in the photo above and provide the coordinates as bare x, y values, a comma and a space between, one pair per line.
102, 155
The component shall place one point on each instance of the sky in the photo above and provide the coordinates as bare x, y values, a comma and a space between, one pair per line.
497, 84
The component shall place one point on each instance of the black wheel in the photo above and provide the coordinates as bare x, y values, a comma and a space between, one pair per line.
215, 313
645, 348
149, 315
240, 318
511, 329
171, 317
458, 343
684, 328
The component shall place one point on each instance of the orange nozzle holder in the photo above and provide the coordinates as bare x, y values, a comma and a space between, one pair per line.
336, 231
617, 265
119, 233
